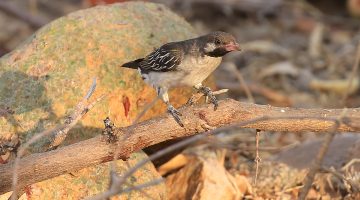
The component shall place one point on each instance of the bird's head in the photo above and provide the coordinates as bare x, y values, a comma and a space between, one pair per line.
217, 44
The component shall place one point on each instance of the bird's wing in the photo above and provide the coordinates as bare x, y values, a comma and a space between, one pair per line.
165, 58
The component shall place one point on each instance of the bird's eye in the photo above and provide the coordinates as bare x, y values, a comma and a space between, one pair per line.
217, 41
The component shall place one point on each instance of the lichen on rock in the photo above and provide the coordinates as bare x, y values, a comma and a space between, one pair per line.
45, 77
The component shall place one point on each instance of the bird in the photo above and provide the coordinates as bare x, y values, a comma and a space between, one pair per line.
184, 63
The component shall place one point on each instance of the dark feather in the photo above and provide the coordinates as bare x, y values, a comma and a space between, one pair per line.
133, 64
165, 58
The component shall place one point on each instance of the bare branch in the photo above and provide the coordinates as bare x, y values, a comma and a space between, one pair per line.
80, 110
196, 118
60, 133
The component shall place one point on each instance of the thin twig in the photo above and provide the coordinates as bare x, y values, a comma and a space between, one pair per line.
114, 179
232, 68
91, 89
215, 143
316, 165
355, 160
257, 157
136, 188
140, 164
352, 75
320, 157
79, 112
317, 162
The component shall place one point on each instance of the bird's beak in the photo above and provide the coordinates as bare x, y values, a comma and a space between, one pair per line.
232, 47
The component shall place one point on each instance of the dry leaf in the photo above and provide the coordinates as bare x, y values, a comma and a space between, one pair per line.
339, 86
175, 163
203, 179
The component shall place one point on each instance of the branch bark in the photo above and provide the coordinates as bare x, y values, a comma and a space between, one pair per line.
42, 166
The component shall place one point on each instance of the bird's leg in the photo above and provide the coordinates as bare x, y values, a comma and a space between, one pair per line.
191, 101
175, 113
208, 93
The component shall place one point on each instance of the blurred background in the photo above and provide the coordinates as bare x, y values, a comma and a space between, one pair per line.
296, 53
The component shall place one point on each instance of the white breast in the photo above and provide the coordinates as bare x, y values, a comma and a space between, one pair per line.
190, 73
198, 69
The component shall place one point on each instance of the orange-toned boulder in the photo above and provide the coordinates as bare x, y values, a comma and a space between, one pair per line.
44, 78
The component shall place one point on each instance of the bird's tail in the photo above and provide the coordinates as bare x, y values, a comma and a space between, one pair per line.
133, 64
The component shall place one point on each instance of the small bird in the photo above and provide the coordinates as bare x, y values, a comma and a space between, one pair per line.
184, 63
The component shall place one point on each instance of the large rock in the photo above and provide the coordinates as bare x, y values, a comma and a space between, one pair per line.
44, 78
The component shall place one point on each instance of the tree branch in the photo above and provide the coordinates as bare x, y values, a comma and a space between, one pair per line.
42, 166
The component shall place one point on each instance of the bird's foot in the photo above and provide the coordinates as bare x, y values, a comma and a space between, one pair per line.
191, 101
175, 113
209, 94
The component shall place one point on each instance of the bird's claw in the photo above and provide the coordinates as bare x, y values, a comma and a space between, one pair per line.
175, 113
215, 102
191, 101
208, 93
